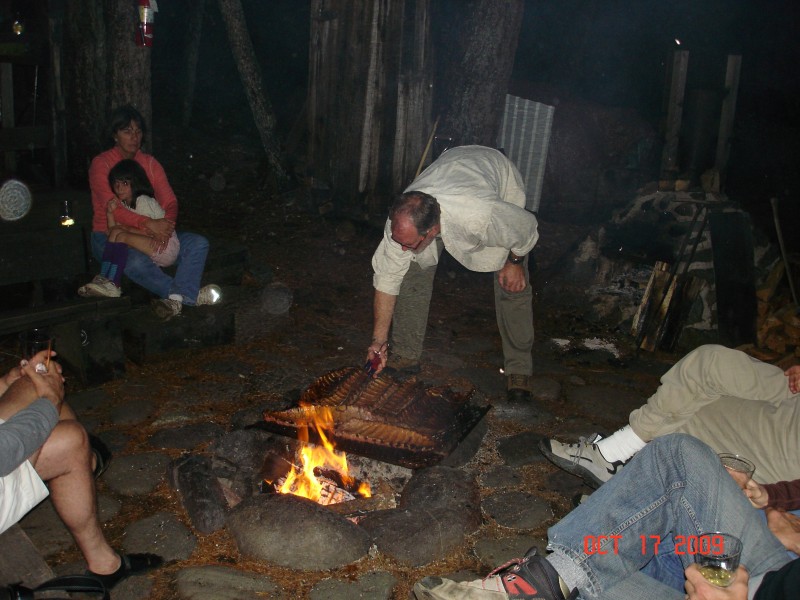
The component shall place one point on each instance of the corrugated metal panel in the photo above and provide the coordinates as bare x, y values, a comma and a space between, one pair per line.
525, 137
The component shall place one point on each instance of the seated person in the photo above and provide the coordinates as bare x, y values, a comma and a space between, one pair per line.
41, 440
729, 400
127, 127
672, 490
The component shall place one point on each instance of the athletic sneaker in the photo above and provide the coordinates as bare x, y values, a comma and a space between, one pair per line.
166, 308
583, 459
209, 294
100, 287
529, 578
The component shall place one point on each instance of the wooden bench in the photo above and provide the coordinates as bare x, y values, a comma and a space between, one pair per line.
23, 564
88, 335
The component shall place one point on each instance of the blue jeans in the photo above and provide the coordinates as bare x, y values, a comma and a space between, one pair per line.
673, 489
143, 271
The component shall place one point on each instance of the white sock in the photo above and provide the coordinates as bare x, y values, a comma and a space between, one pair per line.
621, 445
177, 297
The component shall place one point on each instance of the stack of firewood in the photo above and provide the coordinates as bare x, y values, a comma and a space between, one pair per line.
778, 321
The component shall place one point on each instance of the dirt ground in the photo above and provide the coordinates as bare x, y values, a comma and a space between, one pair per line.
325, 262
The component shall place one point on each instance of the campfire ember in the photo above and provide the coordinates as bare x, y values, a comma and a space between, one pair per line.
322, 475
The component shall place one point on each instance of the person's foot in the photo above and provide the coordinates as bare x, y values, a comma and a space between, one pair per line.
166, 308
583, 459
132, 564
519, 388
100, 287
209, 294
530, 578
404, 366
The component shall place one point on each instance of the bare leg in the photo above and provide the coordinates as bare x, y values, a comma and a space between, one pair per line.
137, 241
64, 461
19, 395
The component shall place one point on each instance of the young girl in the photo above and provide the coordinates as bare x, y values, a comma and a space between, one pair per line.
134, 192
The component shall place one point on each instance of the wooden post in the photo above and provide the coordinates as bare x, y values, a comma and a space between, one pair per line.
728, 112
58, 143
669, 158
7, 102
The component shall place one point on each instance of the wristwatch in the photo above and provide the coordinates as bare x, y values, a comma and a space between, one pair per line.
515, 260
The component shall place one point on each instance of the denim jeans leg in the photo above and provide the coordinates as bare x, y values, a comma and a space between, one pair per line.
675, 487
191, 262
140, 268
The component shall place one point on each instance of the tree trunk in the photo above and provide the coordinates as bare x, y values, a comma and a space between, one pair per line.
194, 35
249, 71
129, 64
476, 70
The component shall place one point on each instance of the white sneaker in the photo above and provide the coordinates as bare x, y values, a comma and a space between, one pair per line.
100, 287
583, 459
166, 308
209, 294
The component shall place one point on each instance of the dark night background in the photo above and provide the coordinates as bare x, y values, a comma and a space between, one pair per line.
610, 52
607, 52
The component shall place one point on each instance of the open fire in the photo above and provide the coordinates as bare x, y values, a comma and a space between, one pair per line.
320, 471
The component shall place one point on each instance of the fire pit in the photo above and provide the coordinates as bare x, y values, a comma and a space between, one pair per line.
399, 422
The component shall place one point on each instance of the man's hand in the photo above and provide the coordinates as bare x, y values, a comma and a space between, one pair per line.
756, 493
697, 588
9, 378
48, 384
512, 277
160, 229
786, 527
793, 373
377, 354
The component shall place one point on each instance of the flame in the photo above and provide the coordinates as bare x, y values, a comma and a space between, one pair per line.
301, 480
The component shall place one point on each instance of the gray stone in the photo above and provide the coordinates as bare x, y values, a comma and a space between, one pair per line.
439, 507
136, 473
133, 588
566, 484
377, 585
500, 477
186, 437
517, 510
107, 508
489, 381
545, 389
604, 403
133, 412
528, 414
521, 449
162, 534
495, 552
89, 401
320, 539
202, 495
114, 439
224, 583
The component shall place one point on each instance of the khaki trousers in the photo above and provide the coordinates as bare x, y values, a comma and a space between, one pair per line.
733, 403
514, 318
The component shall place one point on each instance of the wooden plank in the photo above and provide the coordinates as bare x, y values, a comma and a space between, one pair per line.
669, 158
58, 312
728, 113
21, 562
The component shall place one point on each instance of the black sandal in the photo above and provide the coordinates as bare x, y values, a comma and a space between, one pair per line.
102, 455
132, 564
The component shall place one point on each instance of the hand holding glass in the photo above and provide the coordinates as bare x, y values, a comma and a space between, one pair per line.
718, 557
739, 468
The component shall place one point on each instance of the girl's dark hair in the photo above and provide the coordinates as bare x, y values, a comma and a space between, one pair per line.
122, 116
131, 171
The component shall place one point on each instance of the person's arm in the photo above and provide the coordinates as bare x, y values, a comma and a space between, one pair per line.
783, 495
25, 432
383, 310
697, 588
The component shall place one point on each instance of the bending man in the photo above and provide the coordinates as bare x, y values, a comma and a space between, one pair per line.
471, 201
